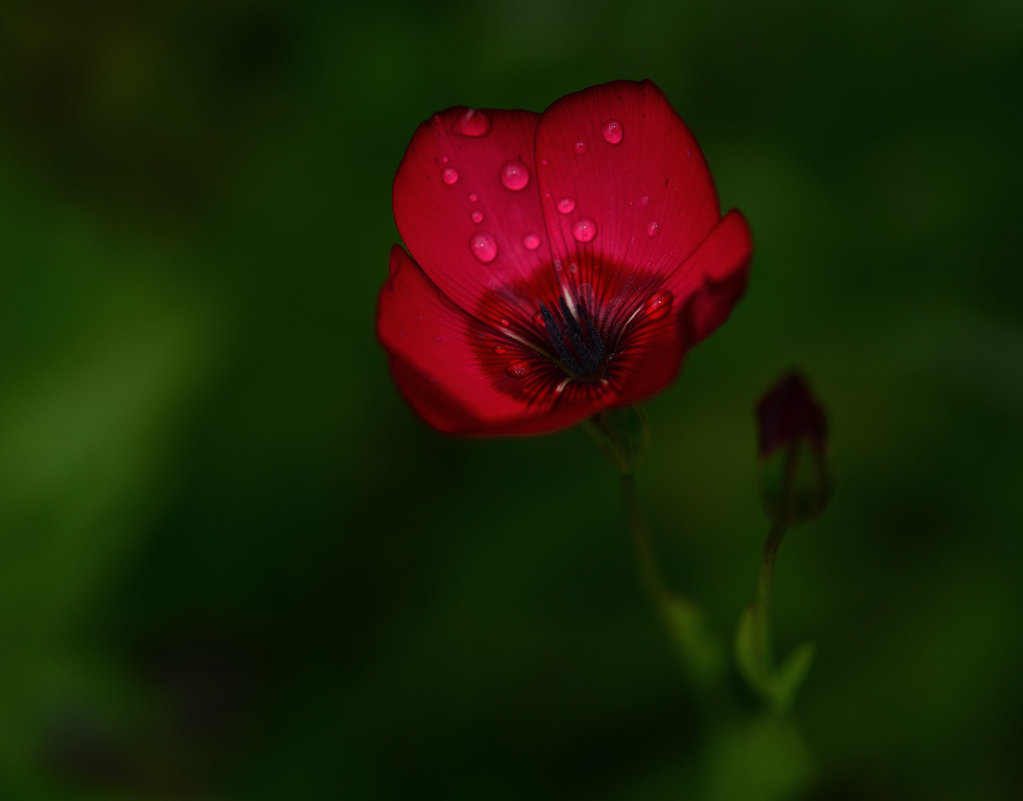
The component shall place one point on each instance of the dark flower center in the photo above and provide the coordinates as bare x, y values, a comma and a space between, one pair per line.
580, 350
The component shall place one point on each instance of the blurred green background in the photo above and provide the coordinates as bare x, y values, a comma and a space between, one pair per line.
235, 566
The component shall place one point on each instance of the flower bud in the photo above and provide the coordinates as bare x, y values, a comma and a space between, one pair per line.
795, 484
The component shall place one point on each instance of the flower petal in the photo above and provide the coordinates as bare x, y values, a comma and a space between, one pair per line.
468, 208
699, 296
622, 179
448, 367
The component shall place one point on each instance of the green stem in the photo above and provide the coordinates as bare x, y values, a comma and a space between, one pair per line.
763, 622
650, 575
684, 624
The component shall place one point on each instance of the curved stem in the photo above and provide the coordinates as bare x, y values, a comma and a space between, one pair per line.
771, 545
693, 643
652, 582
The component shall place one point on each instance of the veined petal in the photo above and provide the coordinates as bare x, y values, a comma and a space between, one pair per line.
690, 303
622, 179
463, 376
468, 208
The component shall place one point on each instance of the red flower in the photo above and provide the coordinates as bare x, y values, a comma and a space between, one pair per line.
564, 262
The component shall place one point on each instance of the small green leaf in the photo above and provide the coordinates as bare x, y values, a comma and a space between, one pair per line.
791, 675
693, 641
750, 656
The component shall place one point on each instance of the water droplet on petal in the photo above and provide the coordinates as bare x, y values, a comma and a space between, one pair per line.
544, 162
517, 369
514, 175
499, 349
580, 147
653, 228
473, 197
443, 159
573, 267
504, 322
557, 265
538, 319
613, 132
658, 304
473, 122
483, 247
645, 200
449, 175
531, 241
566, 205
584, 229
477, 216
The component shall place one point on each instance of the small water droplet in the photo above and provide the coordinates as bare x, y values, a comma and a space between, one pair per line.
538, 319
573, 267
443, 159
531, 241
645, 200
584, 229
514, 175
477, 216
544, 162
653, 228
473, 197
499, 349
566, 205
613, 132
658, 304
557, 265
483, 247
580, 147
517, 369
504, 322
450, 175
472, 122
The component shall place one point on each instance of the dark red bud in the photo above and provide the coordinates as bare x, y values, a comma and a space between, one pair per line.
795, 483
787, 414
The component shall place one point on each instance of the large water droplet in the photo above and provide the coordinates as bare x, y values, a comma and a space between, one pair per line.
477, 216
517, 369
653, 228
450, 175
531, 241
483, 247
613, 131
472, 122
584, 229
658, 304
580, 147
566, 205
514, 175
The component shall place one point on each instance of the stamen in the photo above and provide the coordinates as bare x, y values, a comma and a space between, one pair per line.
558, 340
